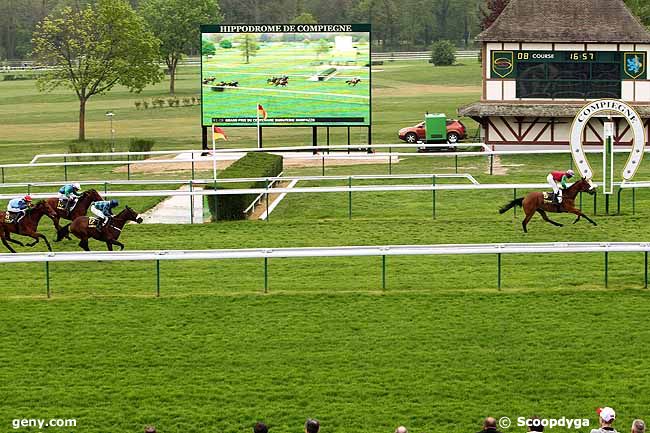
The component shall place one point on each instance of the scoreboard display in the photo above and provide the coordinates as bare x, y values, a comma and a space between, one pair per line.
631, 64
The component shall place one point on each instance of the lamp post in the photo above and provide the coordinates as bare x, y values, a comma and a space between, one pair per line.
110, 115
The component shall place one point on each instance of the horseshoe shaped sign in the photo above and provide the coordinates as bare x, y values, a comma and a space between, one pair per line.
580, 123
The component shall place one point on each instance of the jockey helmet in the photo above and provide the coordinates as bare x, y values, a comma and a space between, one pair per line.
114, 203
27, 198
76, 186
570, 173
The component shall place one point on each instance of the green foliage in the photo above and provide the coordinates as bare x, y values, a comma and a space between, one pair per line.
207, 48
248, 46
641, 8
106, 146
326, 72
94, 49
19, 77
140, 145
177, 24
304, 18
225, 43
443, 53
90, 146
322, 47
231, 207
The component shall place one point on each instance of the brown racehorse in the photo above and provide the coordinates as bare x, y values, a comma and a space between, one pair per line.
109, 234
27, 226
80, 209
534, 202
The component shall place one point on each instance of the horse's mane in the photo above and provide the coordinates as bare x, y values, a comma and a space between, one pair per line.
574, 185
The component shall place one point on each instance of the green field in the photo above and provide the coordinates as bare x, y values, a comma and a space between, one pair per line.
437, 350
302, 98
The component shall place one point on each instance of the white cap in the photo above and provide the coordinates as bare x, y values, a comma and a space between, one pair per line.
607, 414
76, 186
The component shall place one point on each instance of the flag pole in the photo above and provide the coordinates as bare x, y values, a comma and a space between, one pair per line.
214, 154
257, 110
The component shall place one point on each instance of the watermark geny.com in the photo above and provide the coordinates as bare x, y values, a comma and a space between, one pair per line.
42, 423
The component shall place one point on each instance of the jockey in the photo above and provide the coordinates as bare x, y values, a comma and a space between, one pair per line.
18, 206
559, 179
68, 194
103, 210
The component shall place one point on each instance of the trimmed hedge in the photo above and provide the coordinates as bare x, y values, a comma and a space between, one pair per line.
231, 207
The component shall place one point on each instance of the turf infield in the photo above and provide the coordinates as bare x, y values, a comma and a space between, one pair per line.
437, 351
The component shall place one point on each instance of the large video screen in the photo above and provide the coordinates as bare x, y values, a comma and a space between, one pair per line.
299, 74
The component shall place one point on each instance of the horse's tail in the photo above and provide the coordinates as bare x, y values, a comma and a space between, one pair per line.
63, 233
516, 202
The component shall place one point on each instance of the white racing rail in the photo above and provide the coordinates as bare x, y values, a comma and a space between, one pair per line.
227, 154
248, 179
320, 148
309, 190
348, 251
258, 199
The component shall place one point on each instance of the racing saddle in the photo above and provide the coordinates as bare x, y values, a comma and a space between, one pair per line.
551, 198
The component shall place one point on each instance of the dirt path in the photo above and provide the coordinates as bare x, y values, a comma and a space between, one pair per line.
260, 208
422, 89
288, 162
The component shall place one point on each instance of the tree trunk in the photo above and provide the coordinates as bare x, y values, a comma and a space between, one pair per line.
82, 119
172, 77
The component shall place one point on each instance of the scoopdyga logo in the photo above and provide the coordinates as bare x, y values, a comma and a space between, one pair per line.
503, 63
635, 65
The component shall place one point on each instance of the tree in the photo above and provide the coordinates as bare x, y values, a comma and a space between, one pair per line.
322, 47
494, 9
443, 53
207, 48
225, 43
248, 46
304, 18
177, 24
92, 49
641, 8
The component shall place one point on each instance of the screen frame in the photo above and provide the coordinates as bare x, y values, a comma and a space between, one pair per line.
360, 27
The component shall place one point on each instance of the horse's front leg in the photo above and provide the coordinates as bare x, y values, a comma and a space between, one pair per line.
578, 212
57, 223
49, 247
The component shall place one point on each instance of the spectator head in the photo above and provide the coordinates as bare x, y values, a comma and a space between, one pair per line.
490, 422
312, 426
535, 424
607, 416
260, 427
150, 429
402, 429
638, 426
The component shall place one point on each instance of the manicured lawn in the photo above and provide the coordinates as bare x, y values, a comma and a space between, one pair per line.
437, 350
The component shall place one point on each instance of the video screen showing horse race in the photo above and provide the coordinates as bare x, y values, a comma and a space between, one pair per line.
299, 74
423, 216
